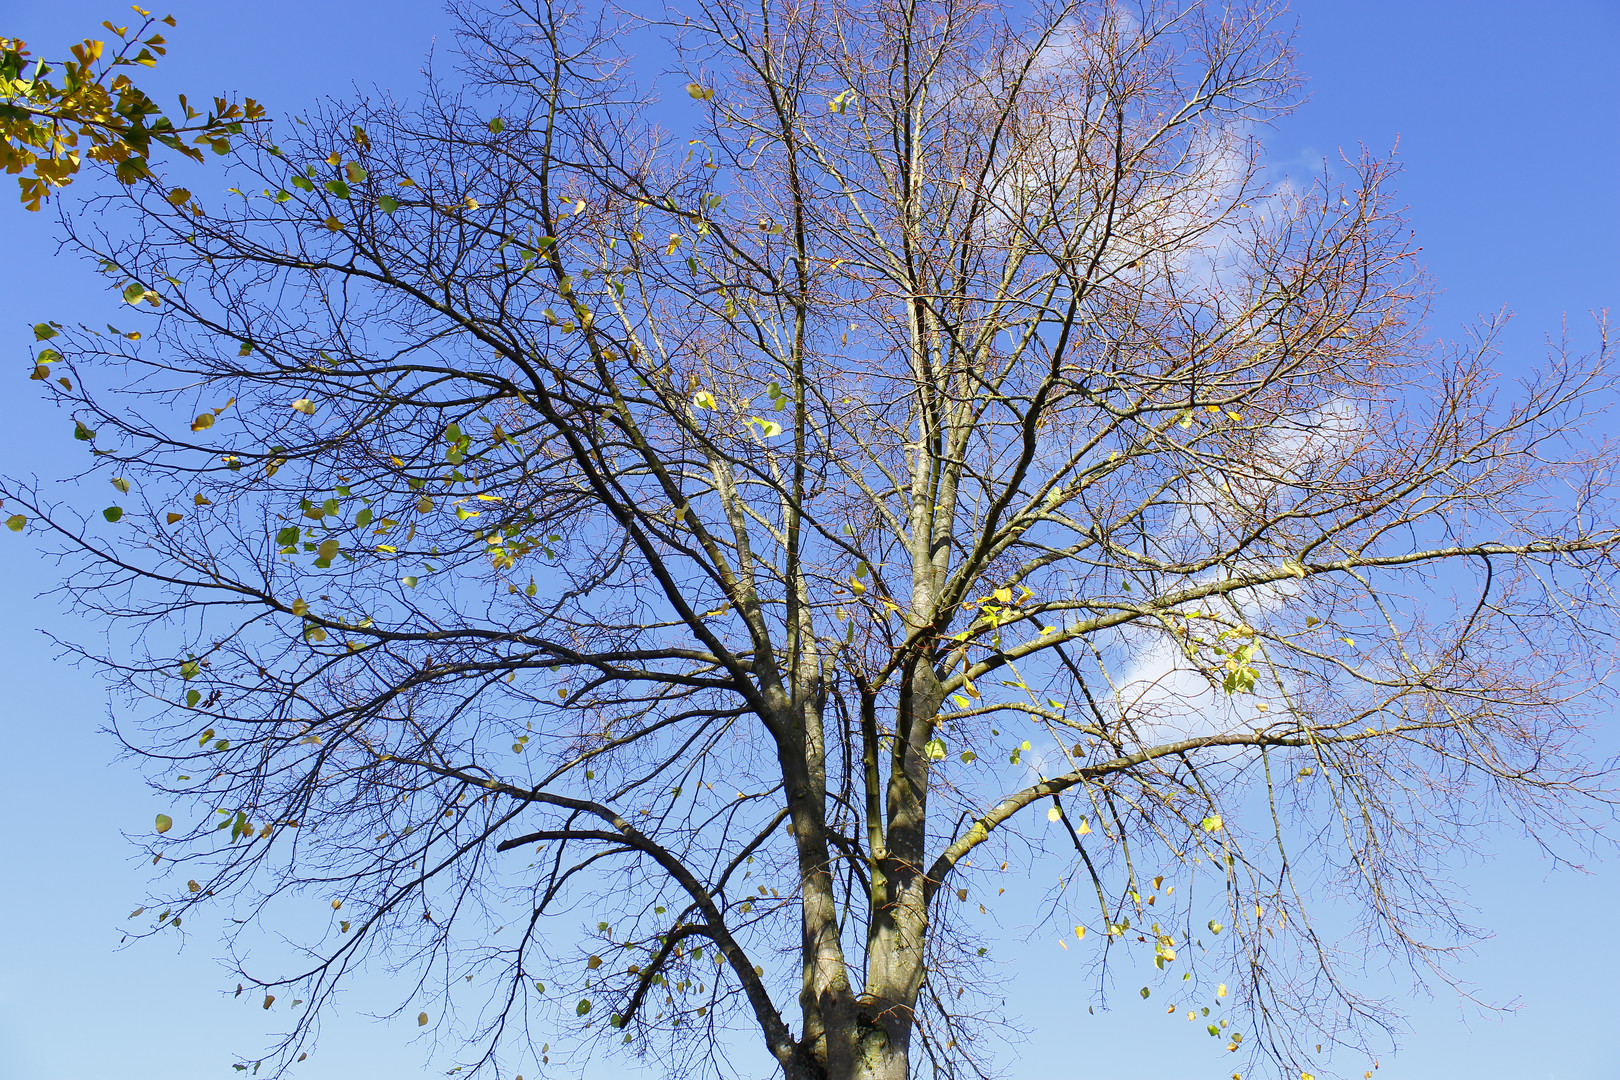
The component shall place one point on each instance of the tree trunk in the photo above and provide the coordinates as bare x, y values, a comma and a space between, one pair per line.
884, 1050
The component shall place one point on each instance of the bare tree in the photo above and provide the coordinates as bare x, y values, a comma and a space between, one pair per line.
739, 508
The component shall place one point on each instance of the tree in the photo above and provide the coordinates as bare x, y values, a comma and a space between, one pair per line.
98, 114
741, 524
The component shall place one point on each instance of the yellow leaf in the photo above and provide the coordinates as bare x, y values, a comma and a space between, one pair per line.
1080, 932
203, 422
1054, 814
164, 823
305, 406
674, 242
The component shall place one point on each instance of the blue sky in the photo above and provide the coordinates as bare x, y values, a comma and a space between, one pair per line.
1505, 116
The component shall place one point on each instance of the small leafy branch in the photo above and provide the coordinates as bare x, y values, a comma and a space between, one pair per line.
56, 115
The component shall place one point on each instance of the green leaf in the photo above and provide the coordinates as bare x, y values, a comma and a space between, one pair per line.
338, 188
388, 204
363, 518
190, 669
583, 1007
121, 484
82, 433
288, 536
113, 513
497, 125
192, 697
164, 824
328, 548
409, 582
44, 332
16, 522
133, 292
303, 183
244, 348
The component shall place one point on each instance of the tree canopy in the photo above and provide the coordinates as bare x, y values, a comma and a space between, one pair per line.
643, 536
